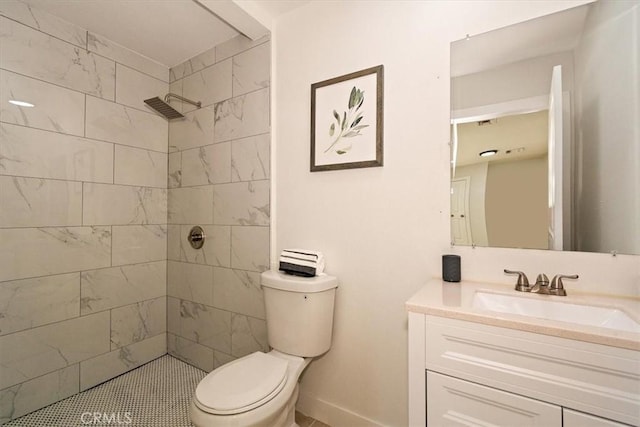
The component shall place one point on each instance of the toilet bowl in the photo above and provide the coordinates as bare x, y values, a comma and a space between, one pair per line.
260, 389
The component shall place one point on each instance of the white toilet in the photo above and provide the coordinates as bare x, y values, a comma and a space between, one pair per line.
261, 389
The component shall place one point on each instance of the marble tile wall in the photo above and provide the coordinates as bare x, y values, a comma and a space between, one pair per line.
83, 211
218, 178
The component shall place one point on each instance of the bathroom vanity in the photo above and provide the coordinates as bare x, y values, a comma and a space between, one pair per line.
474, 361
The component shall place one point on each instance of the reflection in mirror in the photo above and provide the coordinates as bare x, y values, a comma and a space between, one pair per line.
546, 132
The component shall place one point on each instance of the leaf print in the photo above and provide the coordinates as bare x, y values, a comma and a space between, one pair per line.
349, 124
352, 97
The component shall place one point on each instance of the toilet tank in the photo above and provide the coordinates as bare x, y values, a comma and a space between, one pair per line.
299, 312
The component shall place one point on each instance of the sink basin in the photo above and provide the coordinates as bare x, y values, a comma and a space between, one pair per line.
544, 308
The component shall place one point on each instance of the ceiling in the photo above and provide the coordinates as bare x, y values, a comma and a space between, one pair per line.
554, 33
516, 137
166, 31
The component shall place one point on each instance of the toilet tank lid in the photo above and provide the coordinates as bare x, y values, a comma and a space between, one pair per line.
288, 282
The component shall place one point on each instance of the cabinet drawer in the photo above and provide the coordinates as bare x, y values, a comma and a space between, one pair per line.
587, 377
578, 419
453, 402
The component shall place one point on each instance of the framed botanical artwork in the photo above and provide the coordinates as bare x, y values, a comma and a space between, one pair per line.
347, 121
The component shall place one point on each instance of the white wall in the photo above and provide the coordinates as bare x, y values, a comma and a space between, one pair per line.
607, 86
383, 230
516, 204
520, 80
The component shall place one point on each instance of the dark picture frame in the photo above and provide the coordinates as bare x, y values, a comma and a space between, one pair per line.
347, 115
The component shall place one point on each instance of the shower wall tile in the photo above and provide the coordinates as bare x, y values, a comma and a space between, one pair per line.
206, 165
134, 166
237, 45
174, 242
90, 153
195, 130
108, 121
174, 179
238, 291
43, 21
250, 158
252, 69
121, 205
35, 202
190, 352
220, 358
248, 335
106, 366
133, 87
29, 303
138, 322
192, 282
27, 152
197, 63
221, 151
108, 288
109, 49
58, 109
31, 252
181, 71
134, 244
176, 89
211, 85
250, 248
216, 249
241, 203
242, 116
190, 205
39, 392
38, 351
205, 325
173, 315
32, 53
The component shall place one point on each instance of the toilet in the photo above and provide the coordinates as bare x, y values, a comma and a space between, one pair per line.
261, 389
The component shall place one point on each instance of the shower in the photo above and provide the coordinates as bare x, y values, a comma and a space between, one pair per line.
167, 110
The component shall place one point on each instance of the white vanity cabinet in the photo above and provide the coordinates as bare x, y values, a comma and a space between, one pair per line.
464, 373
455, 402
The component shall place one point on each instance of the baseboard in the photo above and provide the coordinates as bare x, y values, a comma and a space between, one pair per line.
331, 414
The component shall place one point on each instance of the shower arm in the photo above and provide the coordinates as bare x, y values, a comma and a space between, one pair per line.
173, 95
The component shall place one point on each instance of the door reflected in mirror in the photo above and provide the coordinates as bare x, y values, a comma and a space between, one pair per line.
545, 133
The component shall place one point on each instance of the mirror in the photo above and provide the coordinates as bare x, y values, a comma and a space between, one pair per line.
545, 131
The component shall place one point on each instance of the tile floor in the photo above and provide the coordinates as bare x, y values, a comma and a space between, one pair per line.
155, 394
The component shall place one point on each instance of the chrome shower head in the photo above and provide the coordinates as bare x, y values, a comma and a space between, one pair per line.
167, 110
163, 108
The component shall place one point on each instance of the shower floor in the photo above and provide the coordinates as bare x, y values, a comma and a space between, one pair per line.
156, 394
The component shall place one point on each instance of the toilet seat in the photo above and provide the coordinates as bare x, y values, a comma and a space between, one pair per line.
242, 385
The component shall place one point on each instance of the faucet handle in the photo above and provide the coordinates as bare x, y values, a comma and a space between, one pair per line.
556, 287
522, 284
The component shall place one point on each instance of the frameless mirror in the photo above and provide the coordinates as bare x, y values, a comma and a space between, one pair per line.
545, 128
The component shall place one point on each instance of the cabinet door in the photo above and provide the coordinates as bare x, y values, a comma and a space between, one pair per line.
572, 418
454, 402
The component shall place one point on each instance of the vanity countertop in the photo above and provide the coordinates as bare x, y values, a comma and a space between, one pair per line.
454, 300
